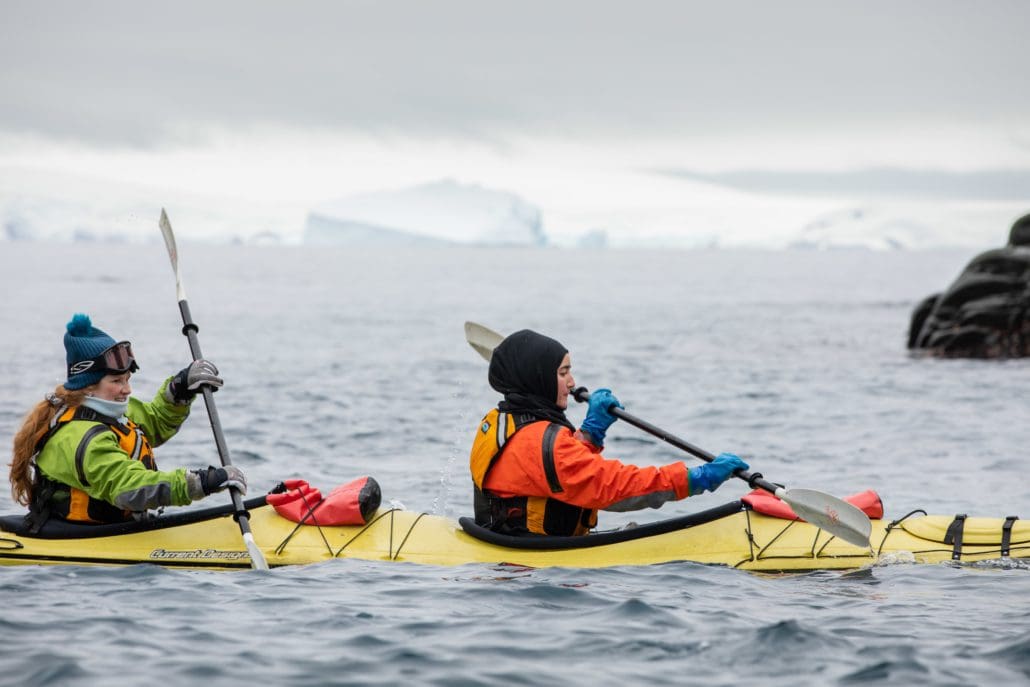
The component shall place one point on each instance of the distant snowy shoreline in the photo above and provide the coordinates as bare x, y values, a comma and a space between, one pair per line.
447, 212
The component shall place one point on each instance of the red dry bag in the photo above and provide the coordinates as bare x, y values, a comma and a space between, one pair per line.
348, 504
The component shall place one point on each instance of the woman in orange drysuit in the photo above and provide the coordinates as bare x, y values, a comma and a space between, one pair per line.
535, 473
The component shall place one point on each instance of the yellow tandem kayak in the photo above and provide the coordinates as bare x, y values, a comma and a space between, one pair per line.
731, 535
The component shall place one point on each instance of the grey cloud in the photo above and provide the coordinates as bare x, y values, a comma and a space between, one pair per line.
138, 73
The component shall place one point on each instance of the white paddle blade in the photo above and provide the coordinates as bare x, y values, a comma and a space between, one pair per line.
482, 339
173, 253
838, 517
257, 559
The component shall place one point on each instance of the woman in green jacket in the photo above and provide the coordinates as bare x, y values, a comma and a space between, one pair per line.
84, 454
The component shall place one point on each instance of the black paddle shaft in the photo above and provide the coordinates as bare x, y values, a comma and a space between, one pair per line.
755, 480
190, 329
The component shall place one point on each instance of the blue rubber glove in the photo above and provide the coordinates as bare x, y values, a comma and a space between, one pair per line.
709, 476
598, 418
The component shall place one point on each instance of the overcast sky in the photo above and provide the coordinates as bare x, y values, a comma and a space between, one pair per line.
132, 72
419, 90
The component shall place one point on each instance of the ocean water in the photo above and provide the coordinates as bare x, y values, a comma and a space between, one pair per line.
342, 362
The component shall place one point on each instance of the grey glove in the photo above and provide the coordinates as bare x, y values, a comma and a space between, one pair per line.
185, 385
201, 483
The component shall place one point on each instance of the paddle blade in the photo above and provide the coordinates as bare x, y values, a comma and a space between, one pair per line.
257, 559
482, 339
836, 516
173, 253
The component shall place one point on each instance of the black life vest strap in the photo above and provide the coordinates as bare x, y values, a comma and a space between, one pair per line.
547, 450
523, 419
505, 515
52, 430
1006, 534
954, 536
43, 490
80, 451
84, 413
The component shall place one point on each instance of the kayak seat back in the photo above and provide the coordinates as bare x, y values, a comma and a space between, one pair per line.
543, 542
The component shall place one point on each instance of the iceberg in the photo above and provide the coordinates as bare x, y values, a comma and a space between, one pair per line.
438, 212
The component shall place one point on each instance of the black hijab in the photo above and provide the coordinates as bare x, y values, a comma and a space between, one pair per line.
524, 367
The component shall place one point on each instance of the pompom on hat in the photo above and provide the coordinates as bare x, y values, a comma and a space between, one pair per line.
83, 343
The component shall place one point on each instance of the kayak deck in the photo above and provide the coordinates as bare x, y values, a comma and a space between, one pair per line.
731, 534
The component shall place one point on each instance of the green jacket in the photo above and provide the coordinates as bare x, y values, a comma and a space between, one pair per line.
111, 474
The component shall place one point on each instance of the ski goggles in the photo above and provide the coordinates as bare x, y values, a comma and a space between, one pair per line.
117, 359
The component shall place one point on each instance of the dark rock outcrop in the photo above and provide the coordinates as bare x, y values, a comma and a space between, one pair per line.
985, 313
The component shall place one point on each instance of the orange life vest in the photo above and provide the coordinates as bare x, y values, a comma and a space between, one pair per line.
520, 514
48, 495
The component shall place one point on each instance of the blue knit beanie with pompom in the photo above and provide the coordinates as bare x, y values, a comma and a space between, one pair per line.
83, 342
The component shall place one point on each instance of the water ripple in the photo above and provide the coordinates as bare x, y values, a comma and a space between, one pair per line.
341, 363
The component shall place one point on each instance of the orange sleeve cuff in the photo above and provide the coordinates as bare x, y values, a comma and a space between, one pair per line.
680, 477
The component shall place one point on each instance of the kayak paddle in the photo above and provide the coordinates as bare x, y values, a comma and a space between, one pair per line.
836, 516
190, 329
483, 339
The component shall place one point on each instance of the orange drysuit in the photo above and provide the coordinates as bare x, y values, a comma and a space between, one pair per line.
545, 479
